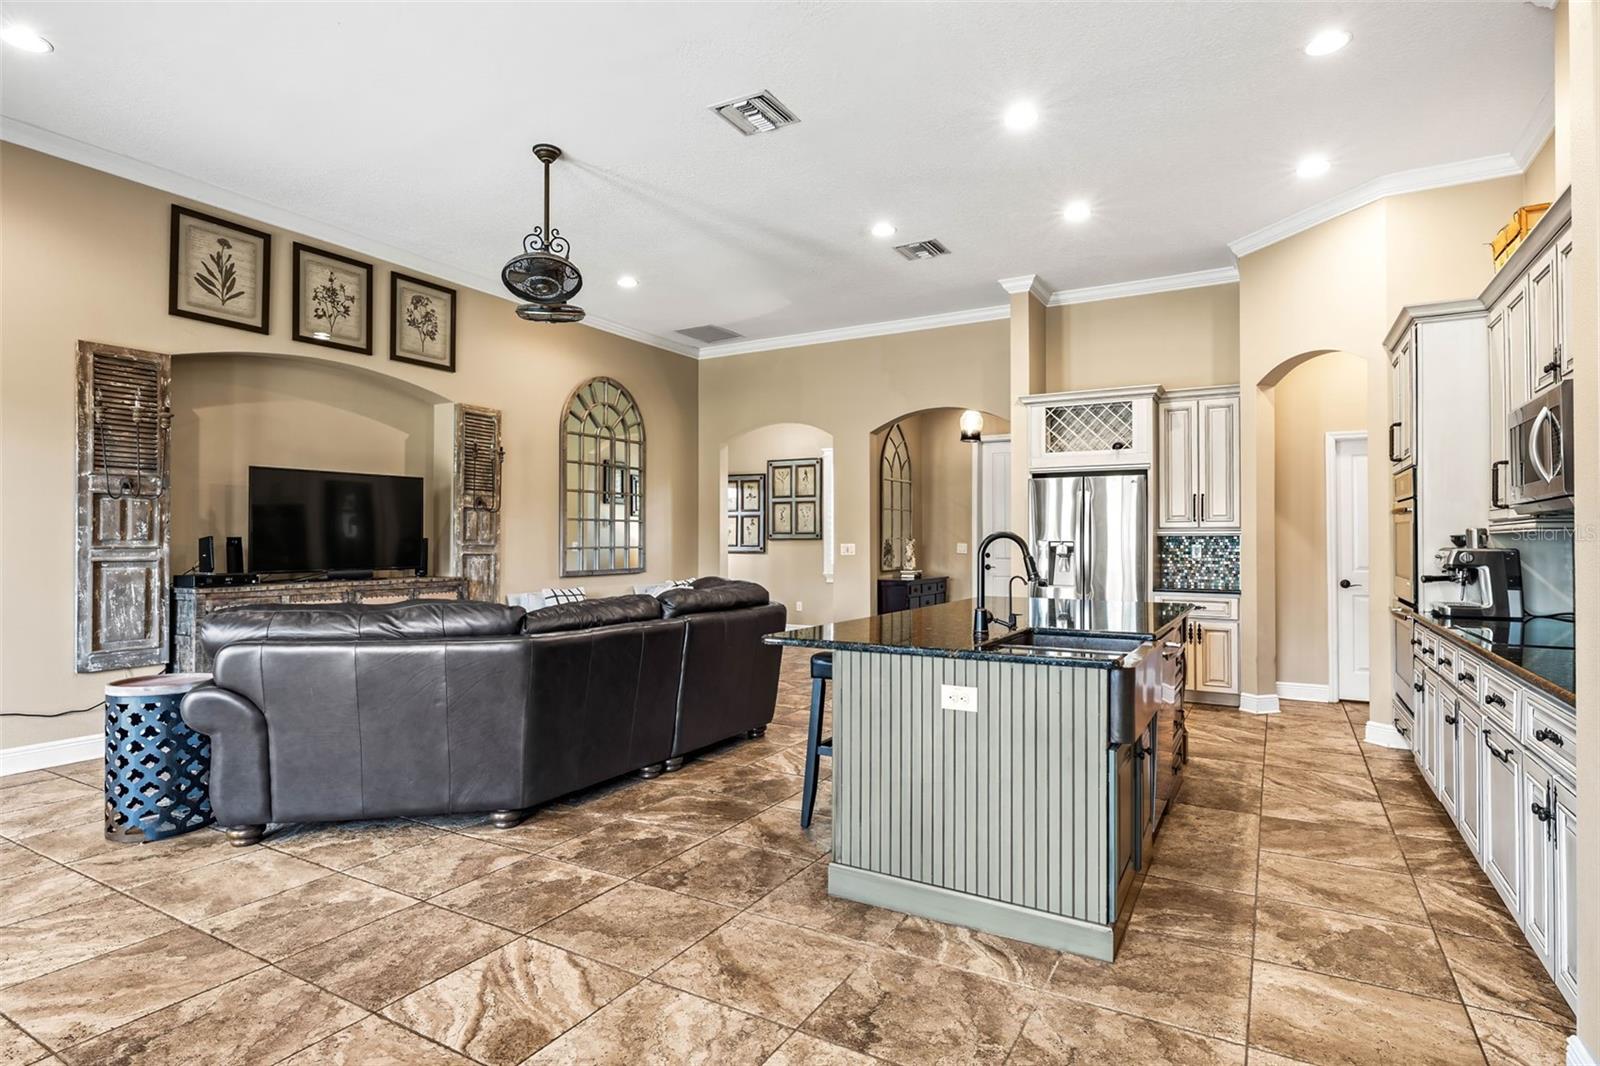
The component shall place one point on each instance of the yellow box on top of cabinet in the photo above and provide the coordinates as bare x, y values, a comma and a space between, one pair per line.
1506, 242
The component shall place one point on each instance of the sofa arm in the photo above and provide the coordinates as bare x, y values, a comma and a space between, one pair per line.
241, 780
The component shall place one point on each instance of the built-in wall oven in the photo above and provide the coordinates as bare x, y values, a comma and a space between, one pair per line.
1541, 453
1404, 524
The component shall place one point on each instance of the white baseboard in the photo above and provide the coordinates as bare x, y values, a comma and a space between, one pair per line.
51, 753
1251, 703
1304, 692
1386, 736
1577, 1054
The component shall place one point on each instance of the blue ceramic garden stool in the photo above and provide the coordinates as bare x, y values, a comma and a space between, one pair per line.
816, 744
158, 770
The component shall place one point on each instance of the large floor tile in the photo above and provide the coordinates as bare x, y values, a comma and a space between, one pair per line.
1293, 757
724, 872
21, 795
87, 771
700, 813
1210, 917
424, 870
1441, 859
505, 1006
18, 1048
394, 956
1512, 1041
1420, 822
527, 893
64, 937
651, 1023
550, 825
261, 1017
778, 829
634, 926
1352, 845
249, 875
20, 823
1354, 890
1210, 827
124, 866
1468, 909
624, 848
1064, 1031
1378, 952
341, 845
376, 1041
49, 889
771, 969
804, 900
1321, 784
1508, 978
1220, 793
803, 1050
93, 997
18, 861
1331, 1021
908, 1011
1196, 862
310, 914
1317, 806
985, 954
1221, 770
1164, 980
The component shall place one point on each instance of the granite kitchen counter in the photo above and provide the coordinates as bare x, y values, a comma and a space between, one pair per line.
945, 630
1553, 670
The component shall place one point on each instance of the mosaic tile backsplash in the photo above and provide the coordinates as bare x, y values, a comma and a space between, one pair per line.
1198, 564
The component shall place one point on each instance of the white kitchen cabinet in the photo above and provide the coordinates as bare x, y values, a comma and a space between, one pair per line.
1564, 299
1469, 797
1402, 401
1544, 309
1537, 810
1214, 658
1564, 909
1197, 468
1094, 429
1499, 442
1423, 747
1501, 826
1447, 748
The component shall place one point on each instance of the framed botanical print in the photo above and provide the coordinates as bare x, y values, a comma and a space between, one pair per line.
422, 322
795, 505
747, 513
221, 271
332, 300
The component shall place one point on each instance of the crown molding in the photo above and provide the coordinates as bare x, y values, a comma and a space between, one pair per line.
1538, 130
1197, 279
849, 333
1026, 283
51, 143
1398, 184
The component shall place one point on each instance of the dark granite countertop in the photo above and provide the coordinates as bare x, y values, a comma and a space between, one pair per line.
1552, 670
1233, 591
946, 630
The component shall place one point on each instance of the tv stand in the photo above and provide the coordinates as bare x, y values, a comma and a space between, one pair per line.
190, 606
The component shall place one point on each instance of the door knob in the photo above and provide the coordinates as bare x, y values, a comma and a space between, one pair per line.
1344, 582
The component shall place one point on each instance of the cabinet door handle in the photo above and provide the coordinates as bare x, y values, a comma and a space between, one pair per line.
1553, 365
1495, 500
1201, 513
1194, 504
1549, 736
1415, 642
1402, 730
1450, 719
1541, 812
1393, 458
1503, 756
1417, 685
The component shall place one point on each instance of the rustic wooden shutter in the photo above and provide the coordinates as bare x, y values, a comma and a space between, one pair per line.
476, 490
124, 507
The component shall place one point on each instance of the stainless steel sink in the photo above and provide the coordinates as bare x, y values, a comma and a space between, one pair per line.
1063, 645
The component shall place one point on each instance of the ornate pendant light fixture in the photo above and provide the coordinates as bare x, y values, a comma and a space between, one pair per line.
542, 274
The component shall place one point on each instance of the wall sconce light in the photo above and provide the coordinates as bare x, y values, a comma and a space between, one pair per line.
971, 426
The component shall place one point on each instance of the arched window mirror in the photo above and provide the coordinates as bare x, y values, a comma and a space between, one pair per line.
602, 481
894, 496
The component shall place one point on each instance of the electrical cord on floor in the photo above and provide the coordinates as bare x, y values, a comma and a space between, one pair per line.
52, 714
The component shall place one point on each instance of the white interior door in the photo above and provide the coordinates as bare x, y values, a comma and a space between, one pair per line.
991, 504
1350, 569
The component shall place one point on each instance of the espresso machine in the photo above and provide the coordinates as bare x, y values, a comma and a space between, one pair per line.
1489, 579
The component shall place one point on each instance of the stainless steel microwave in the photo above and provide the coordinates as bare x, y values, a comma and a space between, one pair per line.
1540, 474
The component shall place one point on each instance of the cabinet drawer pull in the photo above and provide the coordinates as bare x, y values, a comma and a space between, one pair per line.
1469, 678
1503, 756
1402, 730
1442, 661
1416, 642
1495, 699
1549, 735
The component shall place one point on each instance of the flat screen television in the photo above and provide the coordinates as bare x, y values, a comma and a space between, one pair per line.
324, 520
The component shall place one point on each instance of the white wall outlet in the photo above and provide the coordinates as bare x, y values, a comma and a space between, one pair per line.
1197, 551
847, 549
958, 698
961, 547
799, 605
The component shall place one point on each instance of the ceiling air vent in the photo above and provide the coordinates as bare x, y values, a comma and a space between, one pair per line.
922, 249
710, 334
761, 113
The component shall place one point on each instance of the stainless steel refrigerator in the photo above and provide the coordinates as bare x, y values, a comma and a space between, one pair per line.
1090, 534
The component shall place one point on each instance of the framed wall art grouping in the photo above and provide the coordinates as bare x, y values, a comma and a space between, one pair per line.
747, 513
221, 271
332, 300
422, 322
794, 510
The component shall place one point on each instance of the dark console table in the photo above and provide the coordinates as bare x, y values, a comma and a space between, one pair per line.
191, 605
897, 594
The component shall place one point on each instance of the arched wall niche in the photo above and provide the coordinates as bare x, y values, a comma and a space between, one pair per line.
234, 410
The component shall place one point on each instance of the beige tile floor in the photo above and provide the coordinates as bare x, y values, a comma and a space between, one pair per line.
1308, 903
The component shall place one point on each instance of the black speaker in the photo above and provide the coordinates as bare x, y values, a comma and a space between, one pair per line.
208, 555
235, 555
422, 561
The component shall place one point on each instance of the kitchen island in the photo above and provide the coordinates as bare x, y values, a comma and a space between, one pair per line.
1011, 784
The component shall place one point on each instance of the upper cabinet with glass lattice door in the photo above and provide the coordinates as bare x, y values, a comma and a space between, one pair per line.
1098, 429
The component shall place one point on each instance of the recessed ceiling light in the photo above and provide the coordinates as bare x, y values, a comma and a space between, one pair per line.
883, 229
1020, 116
1076, 211
1327, 42
21, 37
628, 281
1312, 166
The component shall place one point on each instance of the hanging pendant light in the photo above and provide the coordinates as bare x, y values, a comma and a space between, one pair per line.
542, 274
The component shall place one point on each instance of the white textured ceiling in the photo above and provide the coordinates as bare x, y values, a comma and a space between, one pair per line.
405, 128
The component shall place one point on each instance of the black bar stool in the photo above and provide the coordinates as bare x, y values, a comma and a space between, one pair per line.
816, 745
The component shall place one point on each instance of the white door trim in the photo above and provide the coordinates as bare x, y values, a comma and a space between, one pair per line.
1330, 489
977, 498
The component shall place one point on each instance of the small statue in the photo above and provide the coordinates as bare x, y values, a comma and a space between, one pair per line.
910, 561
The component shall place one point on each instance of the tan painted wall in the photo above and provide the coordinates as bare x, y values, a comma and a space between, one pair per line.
1321, 396
847, 389
84, 255
1539, 180
791, 570
1177, 339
